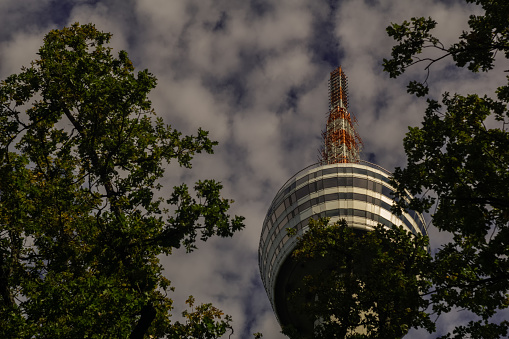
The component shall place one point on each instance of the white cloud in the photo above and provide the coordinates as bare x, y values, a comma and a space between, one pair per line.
18, 51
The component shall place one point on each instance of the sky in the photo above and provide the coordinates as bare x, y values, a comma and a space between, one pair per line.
254, 73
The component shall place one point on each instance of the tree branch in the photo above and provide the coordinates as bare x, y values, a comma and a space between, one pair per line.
148, 314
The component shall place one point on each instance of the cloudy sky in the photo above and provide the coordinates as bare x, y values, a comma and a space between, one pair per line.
254, 73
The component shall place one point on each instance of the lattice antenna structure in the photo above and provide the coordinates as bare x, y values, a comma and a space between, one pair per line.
341, 143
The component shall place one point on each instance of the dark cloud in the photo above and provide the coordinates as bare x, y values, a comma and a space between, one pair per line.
260, 7
59, 11
324, 43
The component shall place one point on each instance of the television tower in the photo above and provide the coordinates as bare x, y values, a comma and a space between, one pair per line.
340, 186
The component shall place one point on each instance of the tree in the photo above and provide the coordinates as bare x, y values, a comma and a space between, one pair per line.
365, 285
458, 163
81, 223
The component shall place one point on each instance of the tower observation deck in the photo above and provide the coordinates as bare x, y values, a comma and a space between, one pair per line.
340, 186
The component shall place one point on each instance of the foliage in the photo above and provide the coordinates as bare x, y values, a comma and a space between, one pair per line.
81, 223
201, 322
458, 163
366, 280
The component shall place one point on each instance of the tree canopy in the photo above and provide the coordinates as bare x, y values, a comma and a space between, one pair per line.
365, 284
83, 217
458, 166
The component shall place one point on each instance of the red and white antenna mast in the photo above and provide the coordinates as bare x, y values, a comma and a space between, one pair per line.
341, 144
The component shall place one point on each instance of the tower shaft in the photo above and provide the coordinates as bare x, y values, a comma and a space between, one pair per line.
341, 142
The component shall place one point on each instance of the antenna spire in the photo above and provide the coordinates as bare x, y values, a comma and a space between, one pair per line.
341, 144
